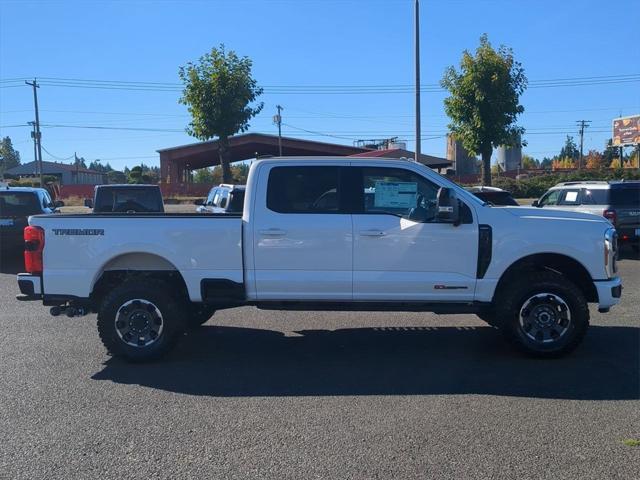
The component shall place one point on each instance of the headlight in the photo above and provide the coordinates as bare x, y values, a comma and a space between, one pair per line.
610, 252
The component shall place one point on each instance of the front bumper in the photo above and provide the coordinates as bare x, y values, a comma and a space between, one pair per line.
609, 292
30, 287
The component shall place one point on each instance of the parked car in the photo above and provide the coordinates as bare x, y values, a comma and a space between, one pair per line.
224, 198
126, 198
17, 204
618, 201
493, 195
395, 235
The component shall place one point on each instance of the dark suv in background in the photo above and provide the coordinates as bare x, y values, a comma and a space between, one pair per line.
17, 204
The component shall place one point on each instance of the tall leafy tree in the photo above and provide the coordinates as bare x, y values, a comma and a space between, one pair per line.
9, 156
485, 101
220, 93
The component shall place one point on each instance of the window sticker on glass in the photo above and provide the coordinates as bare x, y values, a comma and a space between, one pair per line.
395, 194
571, 197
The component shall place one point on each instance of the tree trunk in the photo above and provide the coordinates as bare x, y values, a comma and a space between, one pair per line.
486, 166
224, 154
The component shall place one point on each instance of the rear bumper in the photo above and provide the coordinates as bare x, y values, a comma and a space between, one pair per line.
30, 287
609, 292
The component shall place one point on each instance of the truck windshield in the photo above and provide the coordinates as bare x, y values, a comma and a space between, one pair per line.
19, 204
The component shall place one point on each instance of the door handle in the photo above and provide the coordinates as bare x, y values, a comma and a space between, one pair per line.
273, 232
372, 233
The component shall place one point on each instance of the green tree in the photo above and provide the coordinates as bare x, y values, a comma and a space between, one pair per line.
485, 101
137, 175
203, 175
115, 176
529, 163
220, 92
570, 149
9, 156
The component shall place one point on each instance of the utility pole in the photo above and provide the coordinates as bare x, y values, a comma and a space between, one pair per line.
38, 135
277, 119
418, 130
75, 160
35, 146
582, 124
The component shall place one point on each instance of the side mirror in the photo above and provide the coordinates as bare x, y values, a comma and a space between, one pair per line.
535, 204
448, 208
58, 203
88, 203
199, 201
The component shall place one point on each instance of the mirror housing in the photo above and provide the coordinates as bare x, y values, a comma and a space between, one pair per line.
448, 207
199, 201
88, 202
535, 204
58, 203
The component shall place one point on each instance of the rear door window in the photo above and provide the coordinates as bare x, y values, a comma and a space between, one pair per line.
303, 189
595, 197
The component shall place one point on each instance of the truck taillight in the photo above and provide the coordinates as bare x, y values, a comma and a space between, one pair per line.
33, 247
610, 215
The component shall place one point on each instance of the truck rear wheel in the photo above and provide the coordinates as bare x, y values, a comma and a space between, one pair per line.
139, 320
544, 316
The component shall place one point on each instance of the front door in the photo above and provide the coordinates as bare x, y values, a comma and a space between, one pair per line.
302, 241
401, 252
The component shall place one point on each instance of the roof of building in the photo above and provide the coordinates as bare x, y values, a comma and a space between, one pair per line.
428, 160
251, 145
49, 168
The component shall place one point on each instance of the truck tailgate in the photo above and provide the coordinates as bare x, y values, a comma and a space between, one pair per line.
78, 248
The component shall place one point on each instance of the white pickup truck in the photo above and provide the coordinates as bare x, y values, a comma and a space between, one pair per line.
328, 234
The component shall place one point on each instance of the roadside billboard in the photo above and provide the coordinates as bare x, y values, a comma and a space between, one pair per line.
626, 131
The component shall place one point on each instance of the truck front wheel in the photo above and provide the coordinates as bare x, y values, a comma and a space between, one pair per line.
544, 315
139, 320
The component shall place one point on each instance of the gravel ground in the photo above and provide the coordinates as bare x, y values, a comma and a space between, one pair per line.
256, 394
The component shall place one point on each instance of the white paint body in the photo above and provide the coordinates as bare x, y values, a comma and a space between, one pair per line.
329, 257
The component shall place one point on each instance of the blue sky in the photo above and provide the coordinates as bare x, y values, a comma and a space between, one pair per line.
304, 43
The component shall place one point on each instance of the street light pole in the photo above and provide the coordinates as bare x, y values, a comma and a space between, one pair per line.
417, 59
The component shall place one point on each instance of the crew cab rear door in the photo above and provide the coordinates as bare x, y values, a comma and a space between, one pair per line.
302, 239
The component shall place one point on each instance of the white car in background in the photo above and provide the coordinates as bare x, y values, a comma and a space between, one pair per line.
224, 198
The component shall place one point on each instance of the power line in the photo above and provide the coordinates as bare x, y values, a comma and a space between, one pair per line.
54, 156
321, 89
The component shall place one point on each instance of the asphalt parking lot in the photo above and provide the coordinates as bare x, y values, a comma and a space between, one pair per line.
256, 394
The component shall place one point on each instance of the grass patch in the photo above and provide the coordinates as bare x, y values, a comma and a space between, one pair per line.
631, 442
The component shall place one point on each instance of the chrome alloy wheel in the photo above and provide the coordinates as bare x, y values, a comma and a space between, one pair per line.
545, 318
139, 323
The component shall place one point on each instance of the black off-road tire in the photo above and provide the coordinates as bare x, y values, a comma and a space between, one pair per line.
170, 318
517, 296
198, 314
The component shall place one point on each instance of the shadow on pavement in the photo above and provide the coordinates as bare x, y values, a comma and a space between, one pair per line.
230, 361
11, 263
627, 252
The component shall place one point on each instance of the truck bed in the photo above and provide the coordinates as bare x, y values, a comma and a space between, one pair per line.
80, 247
